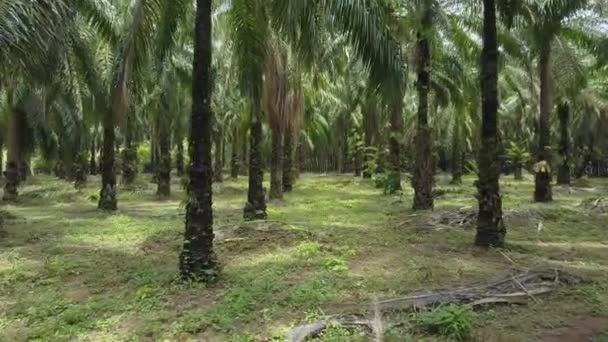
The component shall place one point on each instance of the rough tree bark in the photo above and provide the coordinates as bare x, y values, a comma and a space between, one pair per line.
219, 151
276, 165
490, 226
394, 143
92, 160
543, 172
107, 195
457, 157
288, 158
255, 208
179, 157
423, 177
563, 174
12, 166
163, 188
129, 155
198, 260
234, 155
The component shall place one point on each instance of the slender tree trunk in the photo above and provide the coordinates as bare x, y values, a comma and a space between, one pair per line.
92, 161
197, 260
24, 167
163, 189
369, 134
563, 174
107, 195
255, 208
234, 155
12, 166
219, 151
179, 157
154, 159
245, 155
424, 171
456, 157
1, 158
543, 177
276, 166
300, 156
490, 226
80, 170
517, 173
394, 176
288, 160
129, 156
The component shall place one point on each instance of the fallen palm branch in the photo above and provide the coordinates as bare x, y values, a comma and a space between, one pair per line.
466, 217
597, 205
517, 289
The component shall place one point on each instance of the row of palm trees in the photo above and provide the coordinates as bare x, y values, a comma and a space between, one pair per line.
265, 63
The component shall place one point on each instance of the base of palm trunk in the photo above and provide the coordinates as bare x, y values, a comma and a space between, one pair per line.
393, 182
276, 191
12, 182
251, 212
107, 198
198, 262
563, 175
129, 166
24, 171
456, 180
542, 188
80, 178
164, 187
517, 174
491, 230
423, 177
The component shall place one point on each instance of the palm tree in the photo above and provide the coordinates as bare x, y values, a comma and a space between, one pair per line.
197, 260
490, 225
422, 179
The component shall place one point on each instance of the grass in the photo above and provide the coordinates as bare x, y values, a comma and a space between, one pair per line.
69, 271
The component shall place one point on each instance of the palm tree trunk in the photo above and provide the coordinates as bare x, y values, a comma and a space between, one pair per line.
219, 151
394, 176
197, 260
245, 155
80, 170
12, 165
129, 155
276, 166
107, 195
163, 189
179, 157
92, 161
456, 157
368, 136
423, 177
563, 174
490, 226
288, 160
300, 156
234, 155
543, 177
255, 208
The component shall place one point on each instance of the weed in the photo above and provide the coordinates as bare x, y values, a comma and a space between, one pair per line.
453, 321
